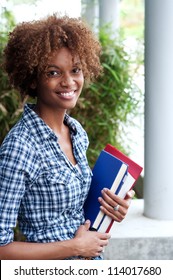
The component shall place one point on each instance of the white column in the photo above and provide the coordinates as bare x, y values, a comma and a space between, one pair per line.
158, 181
109, 13
90, 12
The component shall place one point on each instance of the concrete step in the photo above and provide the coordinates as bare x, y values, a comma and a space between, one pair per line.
139, 237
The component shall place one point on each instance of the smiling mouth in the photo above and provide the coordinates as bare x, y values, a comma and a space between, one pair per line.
67, 94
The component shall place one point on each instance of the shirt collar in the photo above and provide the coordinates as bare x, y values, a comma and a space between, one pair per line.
70, 123
39, 128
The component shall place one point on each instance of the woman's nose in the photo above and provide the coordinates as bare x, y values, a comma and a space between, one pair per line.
67, 80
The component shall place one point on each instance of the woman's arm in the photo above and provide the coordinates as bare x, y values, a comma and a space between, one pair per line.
85, 243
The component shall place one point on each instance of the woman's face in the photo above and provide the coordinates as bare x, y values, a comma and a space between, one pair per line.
61, 85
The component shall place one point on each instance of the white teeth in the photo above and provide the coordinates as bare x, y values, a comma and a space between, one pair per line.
67, 93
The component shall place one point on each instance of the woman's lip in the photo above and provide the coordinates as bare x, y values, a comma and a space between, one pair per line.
67, 94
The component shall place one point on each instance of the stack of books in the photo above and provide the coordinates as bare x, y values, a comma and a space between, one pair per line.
116, 171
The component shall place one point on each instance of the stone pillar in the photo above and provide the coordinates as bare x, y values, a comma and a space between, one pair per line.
90, 12
109, 13
158, 182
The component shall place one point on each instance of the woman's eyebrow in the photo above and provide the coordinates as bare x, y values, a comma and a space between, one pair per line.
53, 66
78, 63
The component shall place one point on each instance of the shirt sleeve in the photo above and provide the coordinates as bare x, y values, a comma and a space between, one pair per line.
13, 156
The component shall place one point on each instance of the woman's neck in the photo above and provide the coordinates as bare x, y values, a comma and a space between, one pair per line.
54, 119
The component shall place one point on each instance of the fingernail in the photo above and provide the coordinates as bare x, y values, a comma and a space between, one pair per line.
131, 193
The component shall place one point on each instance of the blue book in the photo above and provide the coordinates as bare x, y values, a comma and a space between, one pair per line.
134, 171
108, 172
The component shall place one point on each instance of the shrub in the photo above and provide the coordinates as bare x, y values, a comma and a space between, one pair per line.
107, 105
10, 102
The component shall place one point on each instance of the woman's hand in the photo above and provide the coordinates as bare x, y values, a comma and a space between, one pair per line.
109, 201
90, 243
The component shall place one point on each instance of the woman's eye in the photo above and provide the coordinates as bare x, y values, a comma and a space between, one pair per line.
53, 73
76, 70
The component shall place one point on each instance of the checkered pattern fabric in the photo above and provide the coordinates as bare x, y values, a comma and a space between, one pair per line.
39, 187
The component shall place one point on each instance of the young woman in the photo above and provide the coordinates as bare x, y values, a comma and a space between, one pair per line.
44, 173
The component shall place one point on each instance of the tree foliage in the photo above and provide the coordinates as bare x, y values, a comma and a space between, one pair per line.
105, 106
10, 102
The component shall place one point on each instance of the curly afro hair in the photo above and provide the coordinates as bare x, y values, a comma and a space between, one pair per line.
30, 45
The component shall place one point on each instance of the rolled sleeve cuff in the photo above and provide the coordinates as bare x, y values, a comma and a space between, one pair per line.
6, 237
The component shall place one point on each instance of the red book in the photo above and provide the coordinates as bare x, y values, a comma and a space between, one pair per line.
134, 170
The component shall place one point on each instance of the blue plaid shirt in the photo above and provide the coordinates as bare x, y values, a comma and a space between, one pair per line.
39, 187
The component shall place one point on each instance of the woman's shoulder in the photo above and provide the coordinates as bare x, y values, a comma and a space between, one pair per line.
17, 139
17, 133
